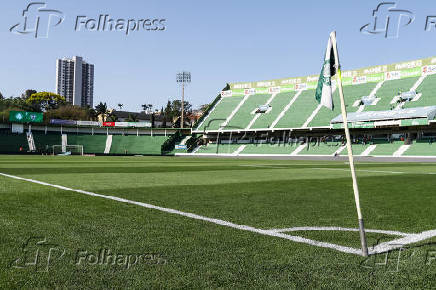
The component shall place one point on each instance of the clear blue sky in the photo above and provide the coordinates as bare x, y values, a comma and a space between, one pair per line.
218, 41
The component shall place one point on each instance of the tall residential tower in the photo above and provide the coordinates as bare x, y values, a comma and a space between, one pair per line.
75, 81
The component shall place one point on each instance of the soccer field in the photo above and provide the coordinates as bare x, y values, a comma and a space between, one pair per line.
118, 222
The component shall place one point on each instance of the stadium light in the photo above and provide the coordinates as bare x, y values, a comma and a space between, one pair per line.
183, 79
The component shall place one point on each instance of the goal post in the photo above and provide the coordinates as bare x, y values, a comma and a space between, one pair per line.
67, 149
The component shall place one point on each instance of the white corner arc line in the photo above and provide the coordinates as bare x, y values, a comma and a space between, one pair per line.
199, 217
297, 229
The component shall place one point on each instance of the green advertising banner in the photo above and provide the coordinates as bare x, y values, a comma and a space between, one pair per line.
354, 125
25, 117
414, 68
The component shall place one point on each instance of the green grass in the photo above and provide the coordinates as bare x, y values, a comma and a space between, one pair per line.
260, 193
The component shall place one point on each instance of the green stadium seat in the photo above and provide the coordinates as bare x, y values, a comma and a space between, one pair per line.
386, 148
300, 110
219, 115
219, 148
322, 148
280, 101
421, 148
352, 93
428, 91
388, 91
266, 148
244, 115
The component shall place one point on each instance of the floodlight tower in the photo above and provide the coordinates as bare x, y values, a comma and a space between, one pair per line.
183, 79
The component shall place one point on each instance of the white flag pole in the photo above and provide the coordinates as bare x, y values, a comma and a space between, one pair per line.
349, 149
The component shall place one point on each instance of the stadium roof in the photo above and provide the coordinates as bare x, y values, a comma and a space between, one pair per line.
420, 112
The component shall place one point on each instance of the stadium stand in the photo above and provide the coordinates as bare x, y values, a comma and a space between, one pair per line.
379, 98
299, 111
265, 120
425, 147
281, 149
386, 148
322, 148
246, 112
388, 91
219, 148
358, 149
427, 89
220, 113
352, 94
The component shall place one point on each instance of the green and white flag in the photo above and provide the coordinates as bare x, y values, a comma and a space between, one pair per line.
324, 91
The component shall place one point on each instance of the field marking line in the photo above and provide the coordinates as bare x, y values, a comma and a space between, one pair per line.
297, 229
297, 239
401, 242
362, 170
264, 166
322, 168
381, 248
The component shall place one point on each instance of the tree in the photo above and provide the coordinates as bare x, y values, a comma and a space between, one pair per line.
69, 112
144, 107
1, 96
28, 93
44, 101
168, 110
132, 118
204, 107
112, 118
120, 106
101, 109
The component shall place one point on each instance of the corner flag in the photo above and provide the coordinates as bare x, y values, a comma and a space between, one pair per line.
331, 68
324, 90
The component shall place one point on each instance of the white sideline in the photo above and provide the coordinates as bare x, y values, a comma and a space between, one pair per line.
361, 170
401, 242
381, 248
199, 217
